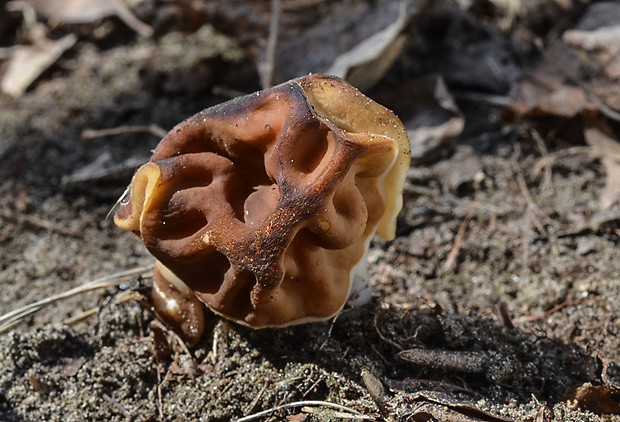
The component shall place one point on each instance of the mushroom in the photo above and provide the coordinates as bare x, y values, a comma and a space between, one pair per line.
263, 207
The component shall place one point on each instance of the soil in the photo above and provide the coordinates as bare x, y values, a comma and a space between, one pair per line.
502, 282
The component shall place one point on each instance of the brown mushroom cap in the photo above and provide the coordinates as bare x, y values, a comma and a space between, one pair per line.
265, 204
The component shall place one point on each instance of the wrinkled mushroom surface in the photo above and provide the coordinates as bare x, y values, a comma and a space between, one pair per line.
264, 206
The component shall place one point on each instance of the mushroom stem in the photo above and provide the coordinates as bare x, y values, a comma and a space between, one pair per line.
361, 289
177, 305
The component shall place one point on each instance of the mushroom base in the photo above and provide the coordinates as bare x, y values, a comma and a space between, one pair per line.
361, 289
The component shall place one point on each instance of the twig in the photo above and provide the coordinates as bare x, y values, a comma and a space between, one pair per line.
118, 406
496, 100
270, 50
177, 338
259, 415
384, 338
313, 386
458, 243
377, 393
544, 314
503, 314
538, 213
160, 405
333, 414
11, 318
602, 106
552, 157
221, 393
547, 175
255, 400
119, 130
126, 15
37, 223
82, 316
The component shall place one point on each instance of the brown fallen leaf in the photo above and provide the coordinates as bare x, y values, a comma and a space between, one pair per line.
547, 91
29, 61
71, 366
579, 73
594, 398
299, 417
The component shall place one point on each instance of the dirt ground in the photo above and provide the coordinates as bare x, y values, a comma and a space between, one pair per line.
499, 299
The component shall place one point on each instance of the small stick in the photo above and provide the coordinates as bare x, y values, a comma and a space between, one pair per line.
259, 415
377, 392
118, 406
126, 15
458, 243
119, 130
37, 223
160, 405
544, 314
503, 314
82, 316
270, 50
447, 360
547, 175
255, 400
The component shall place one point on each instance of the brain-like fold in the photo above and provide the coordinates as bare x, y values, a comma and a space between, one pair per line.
265, 205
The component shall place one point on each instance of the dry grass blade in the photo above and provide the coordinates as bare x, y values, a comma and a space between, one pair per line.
11, 318
270, 52
352, 414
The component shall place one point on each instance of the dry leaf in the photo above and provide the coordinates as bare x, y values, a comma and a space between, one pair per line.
87, 11
463, 168
71, 366
594, 398
547, 91
30, 61
365, 64
579, 73
310, 35
598, 34
78, 11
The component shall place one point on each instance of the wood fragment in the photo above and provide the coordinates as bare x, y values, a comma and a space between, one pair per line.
119, 130
32, 221
118, 406
377, 393
544, 314
503, 314
458, 243
447, 360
